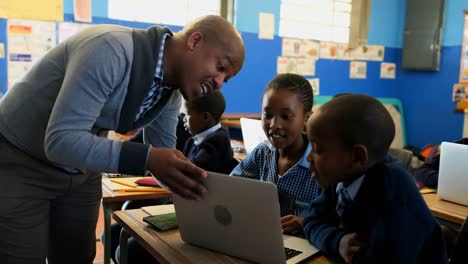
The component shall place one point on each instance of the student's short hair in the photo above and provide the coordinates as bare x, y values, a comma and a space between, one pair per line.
213, 103
361, 119
296, 84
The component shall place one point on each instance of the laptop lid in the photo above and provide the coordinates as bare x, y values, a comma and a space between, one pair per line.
453, 173
252, 133
239, 217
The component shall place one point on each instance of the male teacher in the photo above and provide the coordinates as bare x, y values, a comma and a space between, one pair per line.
54, 121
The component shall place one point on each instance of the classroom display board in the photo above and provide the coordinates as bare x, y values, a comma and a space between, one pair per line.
32, 9
28, 41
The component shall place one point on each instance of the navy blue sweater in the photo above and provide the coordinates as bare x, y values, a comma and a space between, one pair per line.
388, 213
214, 153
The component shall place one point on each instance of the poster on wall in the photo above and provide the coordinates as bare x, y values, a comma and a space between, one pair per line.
459, 92
343, 52
387, 70
368, 53
68, 29
27, 42
2, 50
315, 83
310, 49
328, 50
82, 10
266, 26
291, 47
358, 70
286, 65
32, 9
305, 66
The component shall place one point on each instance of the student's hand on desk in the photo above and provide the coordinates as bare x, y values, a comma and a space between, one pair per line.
175, 171
350, 244
291, 224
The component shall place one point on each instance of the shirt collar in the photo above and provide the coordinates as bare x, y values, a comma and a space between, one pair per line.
158, 73
303, 161
353, 188
198, 138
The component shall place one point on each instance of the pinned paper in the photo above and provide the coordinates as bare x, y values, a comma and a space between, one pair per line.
28, 41
68, 29
327, 50
286, 65
343, 52
387, 70
459, 92
310, 49
266, 26
2, 51
315, 83
368, 53
82, 10
292, 47
358, 70
305, 66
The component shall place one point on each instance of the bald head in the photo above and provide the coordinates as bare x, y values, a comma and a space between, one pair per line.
359, 119
218, 30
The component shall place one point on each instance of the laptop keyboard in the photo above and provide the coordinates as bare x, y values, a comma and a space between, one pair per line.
291, 253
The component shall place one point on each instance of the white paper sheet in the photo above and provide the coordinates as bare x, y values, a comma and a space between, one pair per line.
387, 70
266, 26
358, 70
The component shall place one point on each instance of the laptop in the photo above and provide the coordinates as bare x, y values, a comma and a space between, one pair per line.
453, 173
239, 217
252, 133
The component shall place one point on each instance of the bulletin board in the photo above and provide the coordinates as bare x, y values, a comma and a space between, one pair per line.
32, 9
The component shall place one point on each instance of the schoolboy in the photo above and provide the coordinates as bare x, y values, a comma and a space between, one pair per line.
370, 210
210, 145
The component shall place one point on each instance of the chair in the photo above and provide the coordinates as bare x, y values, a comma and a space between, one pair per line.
460, 252
404, 155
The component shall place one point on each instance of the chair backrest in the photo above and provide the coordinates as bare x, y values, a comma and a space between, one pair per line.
404, 155
460, 252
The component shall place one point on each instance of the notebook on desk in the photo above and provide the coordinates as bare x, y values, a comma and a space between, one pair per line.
453, 173
239, 217
252, 133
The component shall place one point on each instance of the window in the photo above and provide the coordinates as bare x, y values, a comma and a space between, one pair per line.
173, 12
326, 20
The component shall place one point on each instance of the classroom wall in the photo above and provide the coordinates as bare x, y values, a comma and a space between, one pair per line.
426, 96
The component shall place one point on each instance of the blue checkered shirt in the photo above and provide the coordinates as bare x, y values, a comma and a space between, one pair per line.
158, 88
296, 188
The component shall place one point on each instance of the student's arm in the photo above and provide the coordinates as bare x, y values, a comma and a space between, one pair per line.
321, 225
250, 166
92, 73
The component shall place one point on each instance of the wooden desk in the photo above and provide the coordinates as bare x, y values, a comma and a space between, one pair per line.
168, 247
233, 120
113, 201
452, 212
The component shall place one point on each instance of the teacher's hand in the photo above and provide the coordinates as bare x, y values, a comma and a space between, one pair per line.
175, 171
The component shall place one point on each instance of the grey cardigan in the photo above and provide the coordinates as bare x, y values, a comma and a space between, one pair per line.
93, 82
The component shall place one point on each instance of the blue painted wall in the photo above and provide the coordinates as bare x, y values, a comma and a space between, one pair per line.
426, 96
